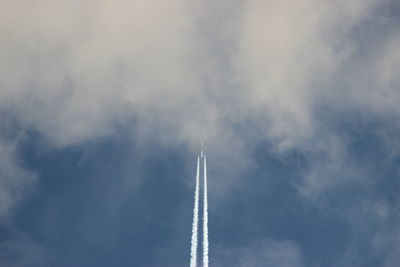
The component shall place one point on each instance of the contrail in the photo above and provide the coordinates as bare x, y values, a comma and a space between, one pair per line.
205, 218
193, 251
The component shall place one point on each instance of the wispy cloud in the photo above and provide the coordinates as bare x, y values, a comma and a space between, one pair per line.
15, 181
266, 253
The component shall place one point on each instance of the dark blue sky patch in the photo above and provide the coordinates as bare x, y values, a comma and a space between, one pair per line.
107, 204
114, 203
269, 208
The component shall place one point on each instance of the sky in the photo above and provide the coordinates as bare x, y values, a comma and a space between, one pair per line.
104, 105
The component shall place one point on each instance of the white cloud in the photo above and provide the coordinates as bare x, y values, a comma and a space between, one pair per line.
287, 54
182, 71
73, 70
71, 74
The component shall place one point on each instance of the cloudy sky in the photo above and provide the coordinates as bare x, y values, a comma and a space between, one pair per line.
104, 104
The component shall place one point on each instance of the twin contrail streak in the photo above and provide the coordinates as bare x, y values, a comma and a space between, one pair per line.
193, 251
195, 226
205, 218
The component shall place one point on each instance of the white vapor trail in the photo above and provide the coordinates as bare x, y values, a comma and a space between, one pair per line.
205, 218
193, 251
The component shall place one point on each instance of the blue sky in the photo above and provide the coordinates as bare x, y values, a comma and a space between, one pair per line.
104, 105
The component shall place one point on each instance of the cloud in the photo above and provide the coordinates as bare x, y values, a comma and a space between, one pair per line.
20, 251
71, 75
74, 75
15, 181
180, 72
233, 73
374, 233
